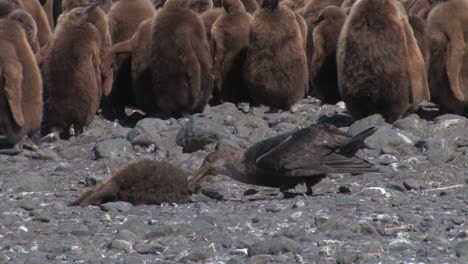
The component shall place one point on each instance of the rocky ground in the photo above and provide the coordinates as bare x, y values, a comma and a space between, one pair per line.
414, 212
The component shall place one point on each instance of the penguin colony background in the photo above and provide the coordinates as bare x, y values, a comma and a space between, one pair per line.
64, 61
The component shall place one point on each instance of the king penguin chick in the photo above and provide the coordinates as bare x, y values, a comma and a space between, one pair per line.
276, 67
124, 18
230, 42
27, 22
380, 67
181, 63
72, 75
20, 82
44, 31
141, 182
286, 160
139, 46
323, 69
447, 34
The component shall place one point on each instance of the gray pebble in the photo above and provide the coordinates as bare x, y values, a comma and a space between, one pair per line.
121, 245
387, 159
411, 184
461, 249
272, 208
119, 206
199, 132
365, 123
113, 148
133, 260
198, 255
234, 261
149, 248
277, 245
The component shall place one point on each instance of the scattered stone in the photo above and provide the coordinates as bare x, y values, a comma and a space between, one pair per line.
275, 246
344, 190
458, 220
42, 219
388, 140
411, 184
365, 123
113, 148
119, 206
272, 208
374, 192
121, 245
346, 256
387, 159
199, 132
198, 255
295, 216
299, 204
149, 248
461, 249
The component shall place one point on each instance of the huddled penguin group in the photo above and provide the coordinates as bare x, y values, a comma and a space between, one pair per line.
65, 61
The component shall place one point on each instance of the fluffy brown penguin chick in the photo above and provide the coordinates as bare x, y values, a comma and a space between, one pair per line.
72, 75
181, 63
139, 46
447, 34
323, 69
99, 20
124, 18
202, 6
230, 42
141, 182
28, 23
380, 67
20, 81
44, 31
276, 66
283, 161
208, 18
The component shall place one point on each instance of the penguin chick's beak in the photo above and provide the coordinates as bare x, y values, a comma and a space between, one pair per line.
194, 2
90, 9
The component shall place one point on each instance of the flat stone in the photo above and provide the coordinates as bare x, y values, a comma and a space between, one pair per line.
365, 123
119, 206
275, 246
199, 132
113, 148
387, 159
411, 184
149, 248
461, 249
121, 245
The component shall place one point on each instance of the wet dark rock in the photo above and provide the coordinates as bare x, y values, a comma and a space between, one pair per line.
113, 148
275, 246
338, 120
